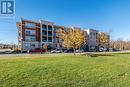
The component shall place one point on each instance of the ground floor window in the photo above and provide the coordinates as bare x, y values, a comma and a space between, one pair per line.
29, 45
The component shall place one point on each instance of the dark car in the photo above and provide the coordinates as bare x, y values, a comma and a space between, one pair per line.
68, 51
37, 50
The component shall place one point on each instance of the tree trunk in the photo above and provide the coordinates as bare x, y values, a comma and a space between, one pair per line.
79, 50
74, 52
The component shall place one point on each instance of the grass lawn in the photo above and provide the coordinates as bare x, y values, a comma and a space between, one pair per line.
65, 71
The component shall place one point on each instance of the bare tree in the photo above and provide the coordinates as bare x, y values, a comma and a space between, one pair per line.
120, 44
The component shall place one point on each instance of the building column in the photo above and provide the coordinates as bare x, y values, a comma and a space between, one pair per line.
41, 34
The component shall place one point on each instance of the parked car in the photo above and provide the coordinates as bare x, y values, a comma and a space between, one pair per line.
37, 50
68, 51
65, 51
6, 51
102, 49
56, 51
79, 51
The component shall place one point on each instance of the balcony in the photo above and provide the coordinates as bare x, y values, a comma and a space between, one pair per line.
44, 29
44, 26
49, 35
44, 33
49, 40
44, 40
30, 32
49, 28
31, 40
31, 25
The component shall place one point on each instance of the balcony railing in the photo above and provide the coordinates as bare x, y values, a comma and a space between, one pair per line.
49, 29
44, 29
49, 35
44, 40
55, 35
30, 34
49, 40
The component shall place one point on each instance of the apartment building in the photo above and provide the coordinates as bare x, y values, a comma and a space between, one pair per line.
47, 32
58, 32
97, 40
47, 35
28, 34
41, 34
92, 40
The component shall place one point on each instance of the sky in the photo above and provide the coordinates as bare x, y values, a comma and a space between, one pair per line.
112, 16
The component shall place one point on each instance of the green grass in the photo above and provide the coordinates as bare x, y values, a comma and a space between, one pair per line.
65, 71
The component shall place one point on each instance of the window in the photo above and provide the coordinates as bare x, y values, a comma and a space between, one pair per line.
30, 38
30, 25
30, 32
27, 45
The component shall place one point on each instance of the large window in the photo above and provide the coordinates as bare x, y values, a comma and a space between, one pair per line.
30, 38
30, 25
30, 32
28, 45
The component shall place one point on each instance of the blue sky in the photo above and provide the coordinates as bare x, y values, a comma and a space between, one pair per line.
103, 15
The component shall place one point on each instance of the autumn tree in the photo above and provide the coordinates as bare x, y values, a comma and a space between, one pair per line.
103, 39
73, 38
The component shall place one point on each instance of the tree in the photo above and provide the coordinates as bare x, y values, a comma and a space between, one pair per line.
120, 44
103, 39
73, 38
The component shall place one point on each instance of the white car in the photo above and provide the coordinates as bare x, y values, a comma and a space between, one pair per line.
56, 51
102, 49
79, 51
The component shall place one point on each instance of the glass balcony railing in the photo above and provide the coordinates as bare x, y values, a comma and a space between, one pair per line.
49, 40
44, 33
30, 34
44, 29
44, 40
49, 35
49, 29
